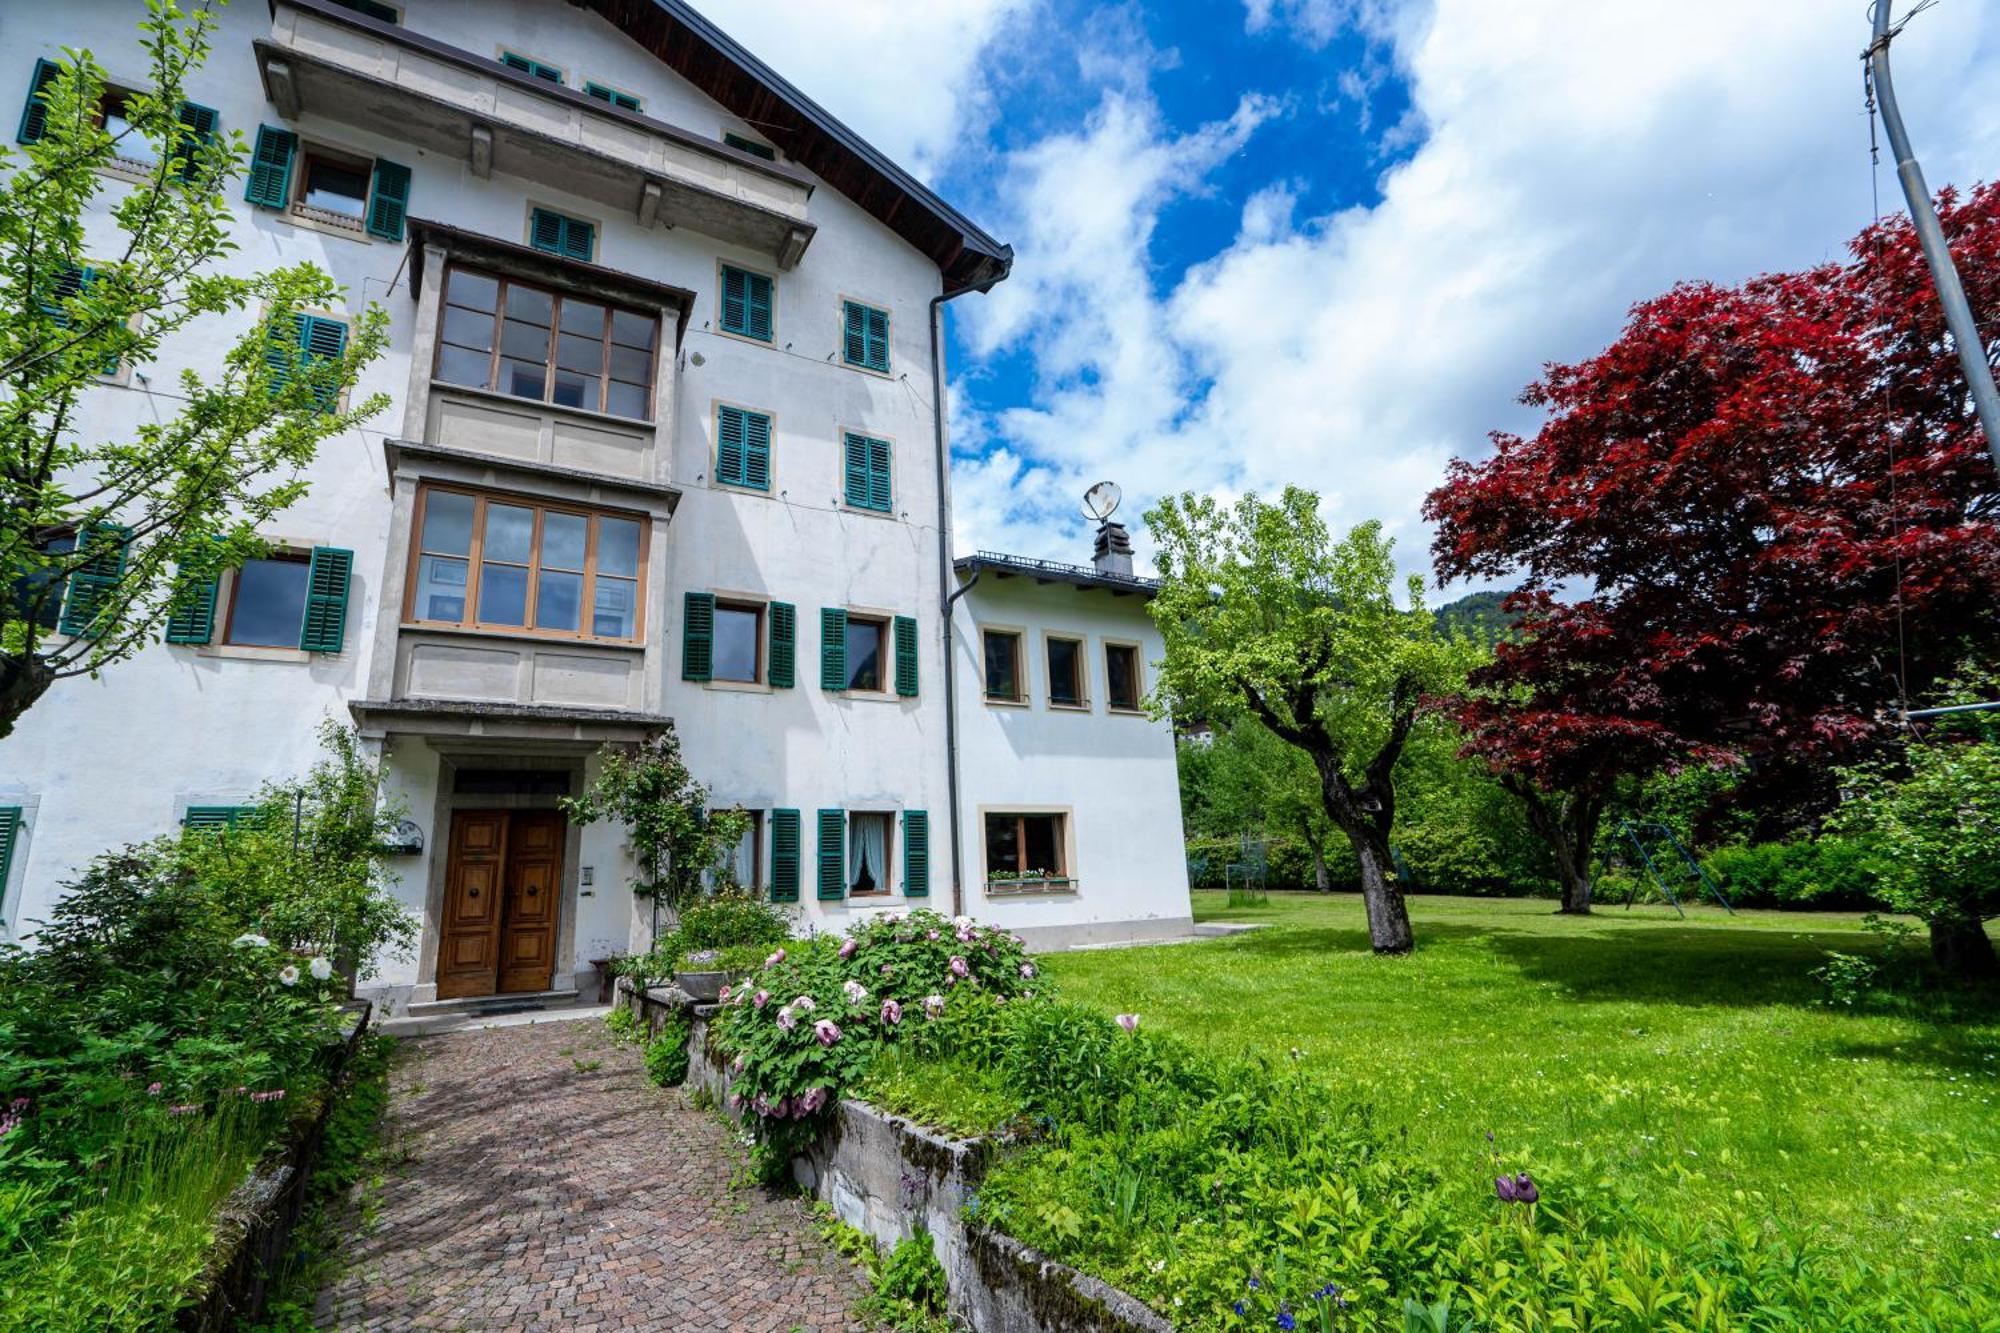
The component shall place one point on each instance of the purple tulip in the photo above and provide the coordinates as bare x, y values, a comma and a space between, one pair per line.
892, 1013
1524, 1188
1130, 1022
847, 948
827, 1031
959, 967
1505, 1188
760, 999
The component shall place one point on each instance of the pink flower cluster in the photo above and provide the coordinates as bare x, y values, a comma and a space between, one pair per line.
785, 1108
268, 1095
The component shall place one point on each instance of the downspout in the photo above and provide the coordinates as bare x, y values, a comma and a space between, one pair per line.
947, 598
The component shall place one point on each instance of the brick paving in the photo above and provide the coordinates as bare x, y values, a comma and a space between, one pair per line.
541, 1195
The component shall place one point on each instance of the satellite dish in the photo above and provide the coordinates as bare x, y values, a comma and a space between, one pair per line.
1101, 501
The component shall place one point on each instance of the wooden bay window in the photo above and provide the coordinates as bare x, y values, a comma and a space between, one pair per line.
502, 562
513, 337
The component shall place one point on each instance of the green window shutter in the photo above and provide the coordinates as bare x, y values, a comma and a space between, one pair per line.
314, 338
880, 490
865, 337
746, 303
197, 130
10, 835
832, 648
579, 240
625, 101
269, 184
697, 636
388, 199
867, 473
916, 854
528, 66
784, 856
906, 656
783, 651
832, 854
545, 231
35, 115
757, 451
193, 617
70, 281
750, 146
95, 582
216, 818
324, 627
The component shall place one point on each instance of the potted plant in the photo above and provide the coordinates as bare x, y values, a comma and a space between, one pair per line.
701, 975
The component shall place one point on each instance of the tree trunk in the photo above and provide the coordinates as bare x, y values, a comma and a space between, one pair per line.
23, 680
1388, 918
1963, 949
1568, 824
1318, 848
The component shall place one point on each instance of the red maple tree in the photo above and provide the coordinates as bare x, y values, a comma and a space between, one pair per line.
1718, 524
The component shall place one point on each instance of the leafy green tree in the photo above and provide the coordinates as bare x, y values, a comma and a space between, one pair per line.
1930, 819
102, 536
1263, 611
1247, 781
649, 789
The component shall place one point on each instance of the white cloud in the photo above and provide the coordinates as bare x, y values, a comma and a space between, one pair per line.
906, 77
1576, 158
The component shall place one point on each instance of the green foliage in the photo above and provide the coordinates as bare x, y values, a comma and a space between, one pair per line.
805, 1028
667, 1052
727, 920
350, 1150
309, 871
649, 789
910, 1289
193, 479
1827, 871
622, 1024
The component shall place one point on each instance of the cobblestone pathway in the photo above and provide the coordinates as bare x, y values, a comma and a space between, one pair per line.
545, 1193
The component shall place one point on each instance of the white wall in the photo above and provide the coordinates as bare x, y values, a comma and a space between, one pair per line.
100, 763
1112, 773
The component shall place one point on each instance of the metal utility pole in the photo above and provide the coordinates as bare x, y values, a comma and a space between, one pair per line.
1951, 292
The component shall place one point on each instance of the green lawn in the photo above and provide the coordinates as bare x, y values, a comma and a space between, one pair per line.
1695, 1050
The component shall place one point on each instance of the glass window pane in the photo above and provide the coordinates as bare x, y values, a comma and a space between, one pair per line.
617, 547
633, 330
524, 379
1063, 686
564, 537
448, 522
735, 643
131, 145
583, 317
628, 400
503, 595
573, 390
616, 612
269, 604
529, 305
1002, 680
631, 364
584, 355
1121, 678
468, 328
440, 589
474, 291
335, 187
528, 342
510, 533
1043, 854
460, 365
1002, 839
558, 600
864, 655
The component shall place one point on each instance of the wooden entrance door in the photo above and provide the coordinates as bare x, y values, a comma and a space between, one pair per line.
534, 889
502, 899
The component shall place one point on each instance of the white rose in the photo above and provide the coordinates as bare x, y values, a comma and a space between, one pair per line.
251, 941
289, 975
320, 969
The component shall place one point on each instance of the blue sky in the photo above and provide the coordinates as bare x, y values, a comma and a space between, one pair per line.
1329, 241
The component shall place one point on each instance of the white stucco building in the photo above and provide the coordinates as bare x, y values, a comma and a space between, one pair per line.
666, 443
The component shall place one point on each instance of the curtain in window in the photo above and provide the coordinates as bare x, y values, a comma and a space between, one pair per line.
739, 861
868, 854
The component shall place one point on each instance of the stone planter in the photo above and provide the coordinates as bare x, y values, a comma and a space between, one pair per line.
702, 987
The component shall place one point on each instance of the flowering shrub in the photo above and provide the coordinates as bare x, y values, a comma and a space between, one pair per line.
802, 1029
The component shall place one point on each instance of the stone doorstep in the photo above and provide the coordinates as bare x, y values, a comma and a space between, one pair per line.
864, 1169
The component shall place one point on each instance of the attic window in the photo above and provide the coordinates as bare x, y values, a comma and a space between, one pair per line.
529, 65
605, 93
750, 146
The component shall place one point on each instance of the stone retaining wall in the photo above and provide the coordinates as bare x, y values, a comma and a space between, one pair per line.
254, 1226
886, 1176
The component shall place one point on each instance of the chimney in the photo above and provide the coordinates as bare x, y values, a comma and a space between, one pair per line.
1113, 552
